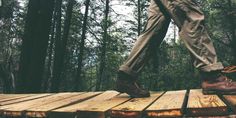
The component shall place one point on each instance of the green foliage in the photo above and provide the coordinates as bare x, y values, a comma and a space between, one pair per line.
11, 31
175, 70
170, 66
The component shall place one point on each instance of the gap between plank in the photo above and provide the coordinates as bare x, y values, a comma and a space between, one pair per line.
144, 114
230, 107
185, 103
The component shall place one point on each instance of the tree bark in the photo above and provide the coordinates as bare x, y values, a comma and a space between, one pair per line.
5, 79
34, 45
61, 47
58, 46
78, 80
47, 79
139, 17
104, 49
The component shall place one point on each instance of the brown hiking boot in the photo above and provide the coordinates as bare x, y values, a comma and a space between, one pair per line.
127, 84
218, 83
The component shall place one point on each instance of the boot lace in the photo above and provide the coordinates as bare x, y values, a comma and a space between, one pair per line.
229, 82
229, 69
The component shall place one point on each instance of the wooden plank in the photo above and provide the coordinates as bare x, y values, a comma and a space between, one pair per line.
70, 111
19, 108
134, 107
23, 99
14, 97
100, 110
231, 100
227, 116
2, 96
168, 105
42, 111
205, 105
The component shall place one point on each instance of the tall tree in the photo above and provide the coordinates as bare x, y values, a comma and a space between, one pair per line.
6, 82
49, 68
231, 15
140, 13
11, 28
34, 45
78, 79
139, 17
61, 47
58, 45
104, 48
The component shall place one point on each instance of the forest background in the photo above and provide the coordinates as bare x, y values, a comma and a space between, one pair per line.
78, 45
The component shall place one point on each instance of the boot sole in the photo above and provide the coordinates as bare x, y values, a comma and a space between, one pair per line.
211, 92
132, 96
121, 91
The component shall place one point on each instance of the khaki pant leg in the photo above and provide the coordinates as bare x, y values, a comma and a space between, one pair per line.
190, 20
154, 32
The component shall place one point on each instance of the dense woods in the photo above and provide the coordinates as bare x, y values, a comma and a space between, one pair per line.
78, 45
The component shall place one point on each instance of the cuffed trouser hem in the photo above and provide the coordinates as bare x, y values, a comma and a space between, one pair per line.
212, 67
128, 70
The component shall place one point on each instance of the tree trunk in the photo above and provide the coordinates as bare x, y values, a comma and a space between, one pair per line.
139, 17
34, 45
61, 47
78, 80
58, 46
231, 18
174, 31
47, 80
104, 48
6, 81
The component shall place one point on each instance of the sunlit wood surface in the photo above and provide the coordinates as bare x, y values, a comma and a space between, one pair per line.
112, 104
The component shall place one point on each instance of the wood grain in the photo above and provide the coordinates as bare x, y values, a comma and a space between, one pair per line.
42, 111
23, 99
100, 110
205, 105
72, 109
231, 99
115, 105
134, 107
14, 97
19, 108
168, 105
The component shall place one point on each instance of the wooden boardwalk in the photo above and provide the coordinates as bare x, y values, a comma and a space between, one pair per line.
111, 104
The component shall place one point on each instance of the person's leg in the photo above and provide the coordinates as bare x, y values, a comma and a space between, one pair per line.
190, 20
154, 33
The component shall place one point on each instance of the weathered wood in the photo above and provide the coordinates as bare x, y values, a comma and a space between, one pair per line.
41, 111
19, 108
231, 99
134, 107
70, 111
23, 99
227, 116
168, 105
100, 110
15, 96
113, 104
2, 96
205, 105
